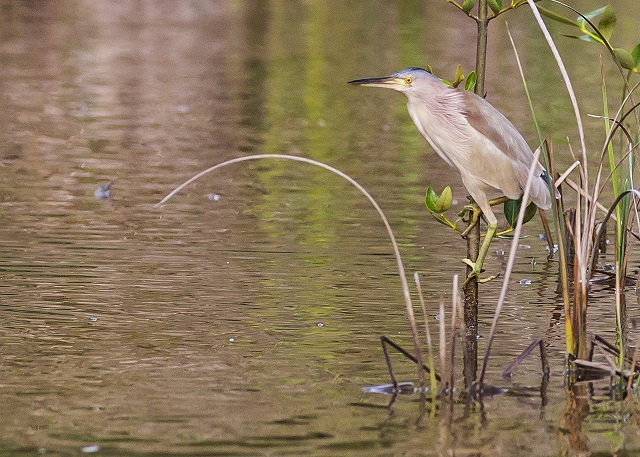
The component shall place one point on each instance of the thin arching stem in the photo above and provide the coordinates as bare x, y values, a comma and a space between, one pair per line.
396, 251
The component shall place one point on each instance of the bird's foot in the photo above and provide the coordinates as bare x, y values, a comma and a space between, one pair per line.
474, 215
476, 269
505, 232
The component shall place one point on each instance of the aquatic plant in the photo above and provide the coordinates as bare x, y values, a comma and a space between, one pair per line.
580, 229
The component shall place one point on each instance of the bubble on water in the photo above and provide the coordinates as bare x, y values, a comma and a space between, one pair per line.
524, 282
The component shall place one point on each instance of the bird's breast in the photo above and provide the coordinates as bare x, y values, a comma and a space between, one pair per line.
443, 131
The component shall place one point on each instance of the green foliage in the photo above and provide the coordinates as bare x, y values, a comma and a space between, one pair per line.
495, 5
439, 203
445, 200
625, 58
458, 77
607, 22
635, 55
557, 17
470, 83
512, 208
431, 199
600, 33
470, 80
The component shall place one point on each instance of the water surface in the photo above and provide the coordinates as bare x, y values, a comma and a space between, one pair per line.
243, 317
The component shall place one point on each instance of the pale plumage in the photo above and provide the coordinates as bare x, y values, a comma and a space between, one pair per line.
472, 136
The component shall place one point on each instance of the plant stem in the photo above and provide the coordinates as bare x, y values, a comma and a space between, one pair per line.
473, 237
481, 46
470, 290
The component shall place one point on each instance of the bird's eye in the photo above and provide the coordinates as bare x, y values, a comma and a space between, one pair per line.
408, 79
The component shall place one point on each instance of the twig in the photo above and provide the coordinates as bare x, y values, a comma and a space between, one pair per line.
425, 317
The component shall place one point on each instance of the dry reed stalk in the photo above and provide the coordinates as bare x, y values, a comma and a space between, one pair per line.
396, 250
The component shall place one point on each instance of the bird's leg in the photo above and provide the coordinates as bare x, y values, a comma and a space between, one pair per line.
475, 213
476, 267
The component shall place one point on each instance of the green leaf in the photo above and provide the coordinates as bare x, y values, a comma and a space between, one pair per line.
444, 201
576, 37
458, 77
530, 212
431, 199
468, 5
625, 58
512, 208
495, 5
607, 22
591, 14
582, 23
591, 38
635, 55
588, 38
470, 83
557, 17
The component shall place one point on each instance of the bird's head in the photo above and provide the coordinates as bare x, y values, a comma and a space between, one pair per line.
408, 80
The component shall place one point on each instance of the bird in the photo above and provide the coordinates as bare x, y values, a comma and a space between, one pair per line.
469, 134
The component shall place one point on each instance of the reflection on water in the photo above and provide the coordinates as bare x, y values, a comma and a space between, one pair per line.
246, 323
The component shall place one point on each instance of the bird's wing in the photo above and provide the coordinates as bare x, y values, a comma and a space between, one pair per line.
490, 122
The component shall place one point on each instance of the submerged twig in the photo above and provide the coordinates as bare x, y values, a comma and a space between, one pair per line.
384, 341
518, 360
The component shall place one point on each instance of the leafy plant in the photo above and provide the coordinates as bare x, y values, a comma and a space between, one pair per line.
579, 226
512, 208
600, 33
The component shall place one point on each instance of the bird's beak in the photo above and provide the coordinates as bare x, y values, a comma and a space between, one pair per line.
390, 82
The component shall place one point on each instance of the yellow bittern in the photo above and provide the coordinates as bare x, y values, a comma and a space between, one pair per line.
474, 137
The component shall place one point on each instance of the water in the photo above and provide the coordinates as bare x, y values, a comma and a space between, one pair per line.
249, 323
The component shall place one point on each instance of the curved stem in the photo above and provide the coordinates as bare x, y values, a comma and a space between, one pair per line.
396, 251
